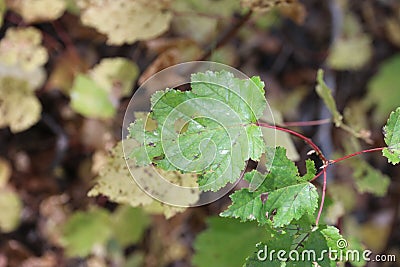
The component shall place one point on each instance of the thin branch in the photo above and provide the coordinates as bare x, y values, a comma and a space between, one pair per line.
306, 123
355, 154
316, 177
321, 206
306, 139
224, 38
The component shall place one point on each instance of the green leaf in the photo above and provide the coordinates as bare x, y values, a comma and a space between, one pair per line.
368, 179
84, 230
11, 208
90, 100
383, 88
302, 249
217, 131
126, 21
226, 242
129, 224
19, 107
326, 94
392, 137
116, 74
282, 196
358, 48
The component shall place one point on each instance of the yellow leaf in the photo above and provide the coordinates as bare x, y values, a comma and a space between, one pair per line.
22, 47
19, 107
38, 10
126, 21
116, 182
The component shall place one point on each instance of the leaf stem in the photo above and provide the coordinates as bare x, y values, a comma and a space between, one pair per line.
321, 206
306, 139
306, 123
355, 154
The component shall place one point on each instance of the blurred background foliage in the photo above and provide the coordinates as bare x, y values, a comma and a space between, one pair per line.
69, 67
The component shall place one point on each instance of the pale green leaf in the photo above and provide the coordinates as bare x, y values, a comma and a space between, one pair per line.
369, 180
3, 10
226, 242
383, 89
38, 10
353, 49
90, 100
84, 230
392, 137
126, 21
22, 47
128, 224
350, 53
282, 197
11, 208
218, 133
326, 94
19, 107
116, 74
281, 139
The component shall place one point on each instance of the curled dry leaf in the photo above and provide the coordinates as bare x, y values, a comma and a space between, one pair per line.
126, 21
172, 51
38, 10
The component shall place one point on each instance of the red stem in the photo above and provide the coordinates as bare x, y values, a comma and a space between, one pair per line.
355, 154
321, 206
315, 177
305, 123
306, 139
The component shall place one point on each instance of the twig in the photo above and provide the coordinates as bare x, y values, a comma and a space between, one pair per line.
306, 139
225, 37
306, 123
321, 206
355, 154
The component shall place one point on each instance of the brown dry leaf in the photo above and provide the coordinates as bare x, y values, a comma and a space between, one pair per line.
38, 10
392, 28
54, 212
295, 11
172, 51
65, 69
5, 172
49, 259
266, 5
126, 21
